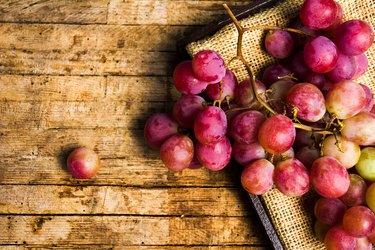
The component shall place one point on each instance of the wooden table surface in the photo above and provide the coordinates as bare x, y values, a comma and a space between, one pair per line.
89, 73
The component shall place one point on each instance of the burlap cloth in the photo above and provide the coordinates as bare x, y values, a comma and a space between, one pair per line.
292, 217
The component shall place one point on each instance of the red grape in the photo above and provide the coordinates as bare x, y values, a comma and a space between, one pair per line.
284, 156
158, 128
246, 153
359, 221
299, 66
329, 211
228, 85
83, 163
308, 100
345, 68
315, 78
318, 14
244, 127
244, 93
371, 237
177, 152
279, 43
256, 178
361, 65
273, 73
277, 134
307, 155
363, 244
356, 194
292, 178
354, 37
214, 156
345, 99
278, 92
186, 109
369, 98
185, 81
320, 54
299, 40
337, 239
210, 125
360, 128
329, 177
306, 138
208, 66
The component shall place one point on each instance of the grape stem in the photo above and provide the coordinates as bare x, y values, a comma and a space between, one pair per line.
239, 56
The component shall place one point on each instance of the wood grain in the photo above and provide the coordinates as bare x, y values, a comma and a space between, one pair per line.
67, 11
127, 230
142, 247
23, 199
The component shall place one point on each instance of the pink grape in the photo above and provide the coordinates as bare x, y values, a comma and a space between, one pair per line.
329, 177
315, 78
307, 155
361, 65
371, 237
366, 164
292, 178
329, 211
232, 112
359, 221
185, 81
214, 156
369, 98
299, 40
246, 153
321, 230
345, 99
210, 125
360, 128
276, 135
338, 18
299, 66
354, 37
177, 152
208, 66
274, 72
336, 238
229, 83
363, 244
308, 100
318, 14
244, 127
83, 163
244, 93
370, 197
356, 194
186, 109
320, 54
279, 43
158, 128
256, 178
345, 68
348, 153
278, 92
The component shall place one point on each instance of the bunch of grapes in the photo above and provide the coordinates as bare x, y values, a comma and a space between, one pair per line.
307, 125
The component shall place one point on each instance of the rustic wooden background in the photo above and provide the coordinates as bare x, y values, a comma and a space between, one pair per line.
89, 73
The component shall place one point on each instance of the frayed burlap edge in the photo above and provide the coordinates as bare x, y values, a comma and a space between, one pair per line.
292, 217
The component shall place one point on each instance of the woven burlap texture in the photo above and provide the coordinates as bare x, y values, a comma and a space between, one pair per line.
292, 217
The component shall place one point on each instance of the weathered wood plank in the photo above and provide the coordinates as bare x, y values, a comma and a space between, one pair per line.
128, 230
22, 199
137, 171
142, 247
90, 37
171, 12
86, 88
61, 114
68, 11
86, 62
